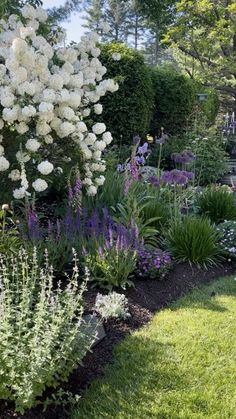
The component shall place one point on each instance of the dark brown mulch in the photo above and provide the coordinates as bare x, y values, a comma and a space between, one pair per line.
147, 297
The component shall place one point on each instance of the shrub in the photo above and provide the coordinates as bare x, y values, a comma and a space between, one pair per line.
112, 306
10, 240
152, 263
129, 111
211, 158
227, 237
217, 203
39, 134
175, 98
194, 240
42, 333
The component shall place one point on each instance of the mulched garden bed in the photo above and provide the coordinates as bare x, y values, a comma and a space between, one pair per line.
145, 298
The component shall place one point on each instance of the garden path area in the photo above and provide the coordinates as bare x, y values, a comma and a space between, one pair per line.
181, 365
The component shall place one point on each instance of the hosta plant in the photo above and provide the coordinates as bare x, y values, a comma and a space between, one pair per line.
42, 333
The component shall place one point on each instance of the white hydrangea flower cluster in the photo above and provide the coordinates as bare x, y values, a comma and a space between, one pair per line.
46, 94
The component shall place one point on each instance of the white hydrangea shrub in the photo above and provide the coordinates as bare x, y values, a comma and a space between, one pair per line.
46, 94
113, 305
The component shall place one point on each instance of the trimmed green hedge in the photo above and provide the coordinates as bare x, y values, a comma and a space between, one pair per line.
175, 97
129, 110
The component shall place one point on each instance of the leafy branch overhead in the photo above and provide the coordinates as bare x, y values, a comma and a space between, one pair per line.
204, 34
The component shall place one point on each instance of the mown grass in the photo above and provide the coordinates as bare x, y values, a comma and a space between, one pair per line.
182, 365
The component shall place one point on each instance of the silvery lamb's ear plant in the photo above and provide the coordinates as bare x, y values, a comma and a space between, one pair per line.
113, 305
42, 333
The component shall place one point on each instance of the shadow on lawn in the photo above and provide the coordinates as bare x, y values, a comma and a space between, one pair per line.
206, 297
161, 373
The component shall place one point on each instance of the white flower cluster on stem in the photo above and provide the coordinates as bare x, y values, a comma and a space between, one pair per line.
46, 94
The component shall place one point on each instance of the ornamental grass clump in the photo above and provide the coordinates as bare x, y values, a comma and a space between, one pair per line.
218, 204
42, 333
193, 240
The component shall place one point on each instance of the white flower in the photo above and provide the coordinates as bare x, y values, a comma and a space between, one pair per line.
97, 154
48, 139
22, 128
40, 185
100, 145
116, 56
56, 82
107, 137
98, 109
45, 107
4, 164
22, 157
92, 190
29, 111
32, 145
86, 112
45, 167
19, 193
100, 180
90, 139
99, 128
14, 175
81, 127
1, 124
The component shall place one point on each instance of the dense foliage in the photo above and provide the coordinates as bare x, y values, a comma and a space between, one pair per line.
129, 111
193, 239
217, 203
204, 33
175, 97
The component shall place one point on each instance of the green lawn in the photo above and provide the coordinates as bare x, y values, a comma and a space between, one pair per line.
182, 365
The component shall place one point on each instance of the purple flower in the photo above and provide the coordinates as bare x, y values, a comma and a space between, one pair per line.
177, 177
185, 157
78, 186
154, 181
33, 224
120, 168
143, 149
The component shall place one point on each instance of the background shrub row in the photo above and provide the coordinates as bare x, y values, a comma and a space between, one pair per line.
150, 98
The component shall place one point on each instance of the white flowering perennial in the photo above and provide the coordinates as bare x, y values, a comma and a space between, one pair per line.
113, 305
46, 94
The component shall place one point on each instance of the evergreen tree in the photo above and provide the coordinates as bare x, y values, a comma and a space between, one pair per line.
94, 14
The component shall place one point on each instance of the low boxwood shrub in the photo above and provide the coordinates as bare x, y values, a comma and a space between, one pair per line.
193, 240
217, 203
42, 333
